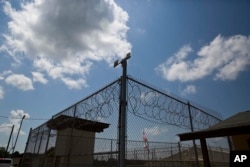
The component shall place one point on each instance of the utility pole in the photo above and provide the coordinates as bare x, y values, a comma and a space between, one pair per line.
18, 134
6, 151
122, 112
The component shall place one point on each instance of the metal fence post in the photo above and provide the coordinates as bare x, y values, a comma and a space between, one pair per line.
26, 147
122, 112
192, 129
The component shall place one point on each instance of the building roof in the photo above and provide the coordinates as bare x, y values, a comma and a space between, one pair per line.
63, 121
236, 125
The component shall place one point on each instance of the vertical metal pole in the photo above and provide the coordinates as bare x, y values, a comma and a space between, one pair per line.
119, 126
192, 129
122, 112
111, 156
26, 147
172, 158
69, 159
123, 103
46, 148
6, 151
148, 153
36, 140
47, 142
229, 143
179, 148
40, 142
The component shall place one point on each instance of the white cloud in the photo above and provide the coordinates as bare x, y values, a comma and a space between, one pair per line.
175, 68
67, 36
154, 131
190, 89
14, 119
20, 81
74, 84
64, 70
226, 57
4, 74
39, 77
1, 92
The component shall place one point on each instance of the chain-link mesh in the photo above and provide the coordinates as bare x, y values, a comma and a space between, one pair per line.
86, 133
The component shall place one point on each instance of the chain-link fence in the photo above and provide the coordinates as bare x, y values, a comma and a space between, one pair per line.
105, 153
86, 133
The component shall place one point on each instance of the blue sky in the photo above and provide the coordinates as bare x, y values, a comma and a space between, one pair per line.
54, 54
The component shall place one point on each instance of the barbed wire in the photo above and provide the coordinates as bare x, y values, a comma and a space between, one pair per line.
97, 106
156, 106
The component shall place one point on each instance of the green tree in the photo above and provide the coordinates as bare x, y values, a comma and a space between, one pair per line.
2, 152
15, 154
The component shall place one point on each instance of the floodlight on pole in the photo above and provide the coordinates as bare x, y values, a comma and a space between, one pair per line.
122, 111
116, 63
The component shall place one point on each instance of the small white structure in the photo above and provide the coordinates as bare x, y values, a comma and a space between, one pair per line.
75, 140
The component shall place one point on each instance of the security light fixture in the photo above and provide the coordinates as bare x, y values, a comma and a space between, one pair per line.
116, 63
